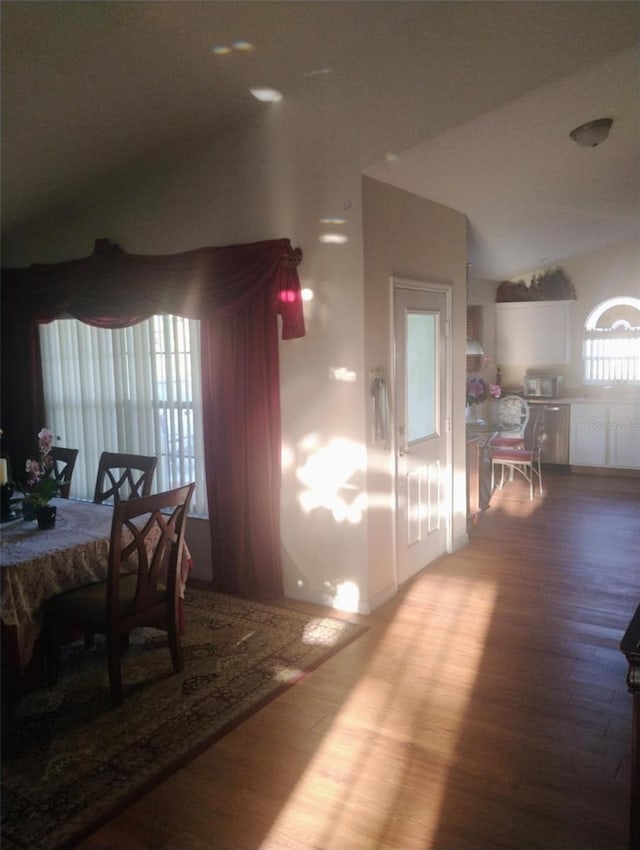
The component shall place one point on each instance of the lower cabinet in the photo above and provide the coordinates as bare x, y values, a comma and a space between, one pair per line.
473, 478
605, 435
588, 438
624, 438
478, 476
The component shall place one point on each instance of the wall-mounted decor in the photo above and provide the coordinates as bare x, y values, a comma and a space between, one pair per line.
551, 285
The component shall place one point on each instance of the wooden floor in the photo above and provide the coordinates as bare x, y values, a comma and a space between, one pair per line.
485, 708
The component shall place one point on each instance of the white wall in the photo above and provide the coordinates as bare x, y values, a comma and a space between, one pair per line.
280, 175
410, 237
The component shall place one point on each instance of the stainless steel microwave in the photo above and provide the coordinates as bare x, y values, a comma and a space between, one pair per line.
542, 386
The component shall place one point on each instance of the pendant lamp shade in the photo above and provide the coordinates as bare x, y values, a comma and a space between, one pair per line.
474, 349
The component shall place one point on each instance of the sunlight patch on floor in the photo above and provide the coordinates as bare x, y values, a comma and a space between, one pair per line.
400, 712
514, 501
322, 631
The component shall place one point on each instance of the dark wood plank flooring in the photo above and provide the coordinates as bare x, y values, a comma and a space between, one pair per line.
486, 707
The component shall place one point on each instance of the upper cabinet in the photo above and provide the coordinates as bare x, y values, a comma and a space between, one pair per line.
533, 333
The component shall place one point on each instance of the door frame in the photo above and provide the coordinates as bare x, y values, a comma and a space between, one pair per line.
446, 289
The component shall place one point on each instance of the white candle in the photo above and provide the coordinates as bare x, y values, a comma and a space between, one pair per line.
3, 470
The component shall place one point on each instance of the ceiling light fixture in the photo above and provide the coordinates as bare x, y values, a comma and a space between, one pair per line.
592, 133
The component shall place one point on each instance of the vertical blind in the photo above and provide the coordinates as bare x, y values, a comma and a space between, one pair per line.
135, 389
610, 356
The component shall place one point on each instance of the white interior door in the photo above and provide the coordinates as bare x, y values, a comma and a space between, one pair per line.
422, 438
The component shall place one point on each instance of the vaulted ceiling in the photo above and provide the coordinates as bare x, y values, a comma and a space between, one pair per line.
89, 88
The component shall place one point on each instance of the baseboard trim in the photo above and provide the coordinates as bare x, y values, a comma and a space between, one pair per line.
610, 471
461, 540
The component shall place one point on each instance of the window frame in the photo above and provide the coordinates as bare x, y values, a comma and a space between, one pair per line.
611, 354
146, 399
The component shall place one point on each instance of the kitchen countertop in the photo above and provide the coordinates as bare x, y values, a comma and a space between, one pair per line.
581, 399
600, 400
614, 397
590, 399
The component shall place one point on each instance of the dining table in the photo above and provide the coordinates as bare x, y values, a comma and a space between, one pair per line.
480, 433
36, 564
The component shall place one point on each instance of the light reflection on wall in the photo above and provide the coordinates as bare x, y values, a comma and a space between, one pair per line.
343, 595
340, 373
326, 475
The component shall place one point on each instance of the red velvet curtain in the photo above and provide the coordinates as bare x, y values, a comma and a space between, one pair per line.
237, 292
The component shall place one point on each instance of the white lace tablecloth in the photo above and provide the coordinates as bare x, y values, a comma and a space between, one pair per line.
36, 565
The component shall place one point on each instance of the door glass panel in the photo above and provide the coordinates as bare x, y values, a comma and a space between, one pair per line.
420, 379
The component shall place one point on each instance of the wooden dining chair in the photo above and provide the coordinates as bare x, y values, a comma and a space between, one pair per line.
147, 535
64, 461
123, 476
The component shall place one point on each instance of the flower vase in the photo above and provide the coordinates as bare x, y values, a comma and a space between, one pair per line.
46, 516
471, 414
28, 510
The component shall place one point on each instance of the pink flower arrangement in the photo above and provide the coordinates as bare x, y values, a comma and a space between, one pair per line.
41, 481
478, 390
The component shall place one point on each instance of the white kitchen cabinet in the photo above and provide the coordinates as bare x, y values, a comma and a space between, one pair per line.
588, 437
533, 333
606, 435
624, 436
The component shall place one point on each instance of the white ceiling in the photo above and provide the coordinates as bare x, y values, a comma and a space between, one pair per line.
89, 88
533, 197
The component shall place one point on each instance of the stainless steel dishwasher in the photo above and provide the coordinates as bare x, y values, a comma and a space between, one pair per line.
555, 446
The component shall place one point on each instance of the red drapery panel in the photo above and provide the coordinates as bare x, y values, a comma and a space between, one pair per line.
237, 292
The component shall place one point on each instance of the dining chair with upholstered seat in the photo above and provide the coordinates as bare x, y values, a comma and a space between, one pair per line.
526, 461
141, 588
512, 416
64, 461
123, 476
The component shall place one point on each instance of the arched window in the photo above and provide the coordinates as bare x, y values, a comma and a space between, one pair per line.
611, 343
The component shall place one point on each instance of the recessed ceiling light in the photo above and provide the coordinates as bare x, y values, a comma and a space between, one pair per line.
266, 95
220, 49
242, 45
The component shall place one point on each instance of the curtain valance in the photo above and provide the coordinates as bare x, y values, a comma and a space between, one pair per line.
111, 288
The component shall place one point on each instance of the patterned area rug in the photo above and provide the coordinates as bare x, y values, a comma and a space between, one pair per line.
70, 761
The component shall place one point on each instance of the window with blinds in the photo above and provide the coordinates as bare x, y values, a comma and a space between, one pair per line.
135, 389
611, 342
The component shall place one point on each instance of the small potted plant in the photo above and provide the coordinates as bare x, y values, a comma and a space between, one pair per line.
42, 484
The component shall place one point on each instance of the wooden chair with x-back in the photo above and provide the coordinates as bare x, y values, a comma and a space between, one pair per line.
142, 585
64, 461
123, 476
